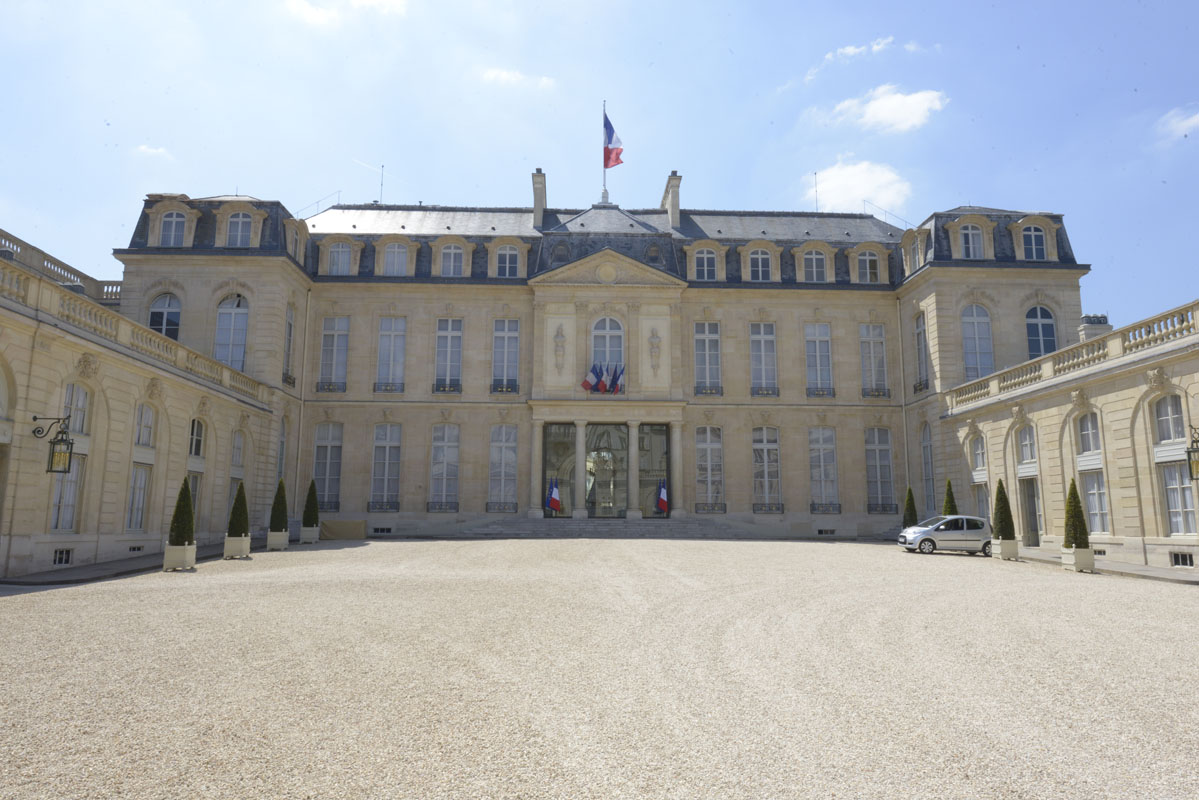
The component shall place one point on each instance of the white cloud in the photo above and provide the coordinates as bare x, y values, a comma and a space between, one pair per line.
312, 15
147, 150
382, 6
913, 47
1177, 124
847, 52
510, 77
843, 187
879, 45
891, 111
330, 12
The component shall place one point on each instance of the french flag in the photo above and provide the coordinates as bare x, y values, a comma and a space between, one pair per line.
612, 146
606, 376
663, 505
592, 378
555, 503
617, 380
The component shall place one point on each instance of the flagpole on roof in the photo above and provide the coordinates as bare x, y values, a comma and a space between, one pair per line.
604, 143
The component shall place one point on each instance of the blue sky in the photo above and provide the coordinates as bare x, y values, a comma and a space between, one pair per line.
915, 108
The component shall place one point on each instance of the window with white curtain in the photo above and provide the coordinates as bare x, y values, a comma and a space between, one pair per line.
385, 473
501, 472
709, 466
976, 342
327, 466
232, 322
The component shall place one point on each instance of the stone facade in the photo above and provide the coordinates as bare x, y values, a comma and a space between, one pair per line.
794, 371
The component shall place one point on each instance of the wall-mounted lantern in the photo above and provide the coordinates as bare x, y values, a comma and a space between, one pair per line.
61, 443
1193, 454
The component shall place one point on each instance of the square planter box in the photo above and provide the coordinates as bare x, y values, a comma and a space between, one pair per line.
310, 535
1006, 549
1078, 559
276, 540
178, 557
237, 547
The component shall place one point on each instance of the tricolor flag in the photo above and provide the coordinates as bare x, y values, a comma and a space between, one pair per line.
605, 376
555, 501
663, 505
612, 146
592, 378
617, 380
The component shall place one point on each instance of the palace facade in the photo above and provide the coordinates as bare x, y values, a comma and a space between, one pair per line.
425, 365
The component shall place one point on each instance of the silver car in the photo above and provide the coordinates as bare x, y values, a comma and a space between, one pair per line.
955, 532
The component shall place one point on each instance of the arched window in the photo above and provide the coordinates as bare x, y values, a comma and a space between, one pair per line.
339, 259
238, 455
926, 469
867, 268
1042, 334
1027, 442
705, 265
507, 261
75, 405
921, 354
913, 258
195, 445
395, 260
1034, 243
1088, 433
232, 320
1168, 411
239, 230
978, 453
972, 241
451, 261
164, 315
143, 427
976, 342
607, 343
759, 265
172, 230
813, 267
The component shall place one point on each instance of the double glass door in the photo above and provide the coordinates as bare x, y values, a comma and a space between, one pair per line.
606, 461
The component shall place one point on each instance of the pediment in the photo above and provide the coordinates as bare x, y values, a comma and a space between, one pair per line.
607, 268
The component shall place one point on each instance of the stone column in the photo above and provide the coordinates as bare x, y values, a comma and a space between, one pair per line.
580, 498
632, 506
536, 499
676, 470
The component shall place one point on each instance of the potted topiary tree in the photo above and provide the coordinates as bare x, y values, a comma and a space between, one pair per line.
276, 535
951, 506
310, 523
180, 552
1003, 529
909, 510
1077, 554
237, 536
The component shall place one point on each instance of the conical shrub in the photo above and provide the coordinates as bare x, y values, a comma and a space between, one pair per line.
1077, 535
951, 505
909, 510
312, 516
183, 523
279, 509
239, 517
1002, 527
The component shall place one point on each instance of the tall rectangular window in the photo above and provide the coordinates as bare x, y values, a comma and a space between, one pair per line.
144, 426
501, 470
819, 345
709, 468
385, 474
281, 453
707, 357
443, 469
1095, 500
880, 494
1180, 498
822, 461
449, 356
982, 501
67, 487
75, 403
195, 444
874, 360
195, 482
921, 355
335, 351
139, 489
1088, 433
326, 466
389, 372
763, 371
289, 329
395, 260
505, 354
766, 469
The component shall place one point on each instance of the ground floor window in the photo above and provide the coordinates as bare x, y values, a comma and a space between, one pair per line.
709, 466
982, 501
443, 464
385, 471
501, 470
766, 469
326, 466
880, 492
67, 487
1095, 501
1030, 500
139, 486
1180, 498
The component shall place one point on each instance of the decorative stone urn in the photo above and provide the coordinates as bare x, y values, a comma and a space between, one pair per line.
237, 547
276, 540
181, 556
1078, 559
310, 535
1006, 549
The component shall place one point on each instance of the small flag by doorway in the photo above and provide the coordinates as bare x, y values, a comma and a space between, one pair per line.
612, 145
555, 503
663, 504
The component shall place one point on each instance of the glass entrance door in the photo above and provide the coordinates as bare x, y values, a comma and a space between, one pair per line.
1031, 500
607, 470
654, 464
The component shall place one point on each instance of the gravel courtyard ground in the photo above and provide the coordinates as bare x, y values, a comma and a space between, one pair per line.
601, 669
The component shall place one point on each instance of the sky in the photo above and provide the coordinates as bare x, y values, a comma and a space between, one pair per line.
898, 110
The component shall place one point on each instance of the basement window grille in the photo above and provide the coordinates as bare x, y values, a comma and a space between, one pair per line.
1100, 553
1182, 559
62, 557
135, 548
826, 531
381, 531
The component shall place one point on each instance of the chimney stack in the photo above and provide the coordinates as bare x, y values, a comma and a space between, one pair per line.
538, 198
1093, 326
670, 197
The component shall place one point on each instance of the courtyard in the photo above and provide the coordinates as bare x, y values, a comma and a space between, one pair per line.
601, 669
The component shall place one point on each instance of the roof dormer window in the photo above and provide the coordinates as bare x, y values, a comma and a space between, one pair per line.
172, 230
239, 230
1034, 243
972, 241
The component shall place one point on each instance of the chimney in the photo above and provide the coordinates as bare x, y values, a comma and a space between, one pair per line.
538, 198
1093, 326
670, 197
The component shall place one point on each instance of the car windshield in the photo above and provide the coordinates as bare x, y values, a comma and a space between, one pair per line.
928, 523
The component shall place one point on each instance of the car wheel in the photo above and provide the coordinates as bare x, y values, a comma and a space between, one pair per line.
927, 546
987, 549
